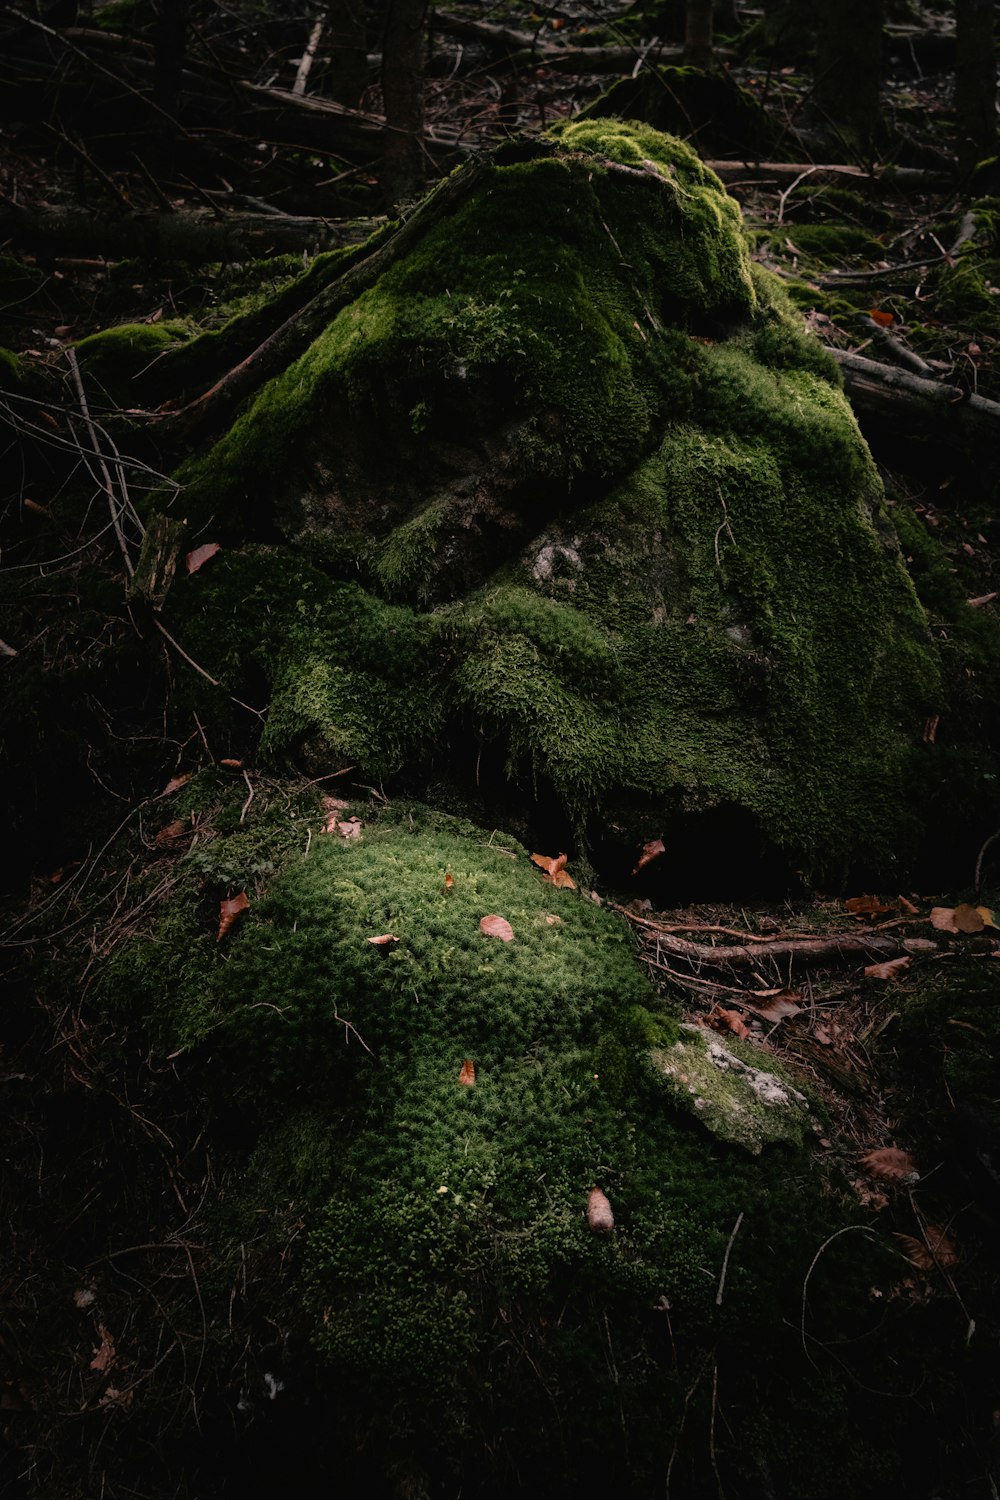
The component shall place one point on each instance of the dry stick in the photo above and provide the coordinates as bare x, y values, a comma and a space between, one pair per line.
978, 877
810, 950
247, 803
116, 510
306, 62
868, 376
201, 670
725, 1259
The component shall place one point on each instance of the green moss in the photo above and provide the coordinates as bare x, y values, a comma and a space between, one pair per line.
121, 361
711, 108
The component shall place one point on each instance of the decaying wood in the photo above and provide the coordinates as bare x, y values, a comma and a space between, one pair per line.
804, 950
910, 179
916, 404
195, 237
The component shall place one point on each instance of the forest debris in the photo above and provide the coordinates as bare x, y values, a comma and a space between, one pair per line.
892, 969
200, 555
600, 1216
892, 1164
554, 869
498, 927
467, 1073
104, 1356
650, 851
383, 940
935, 1252
229, 910
962, 918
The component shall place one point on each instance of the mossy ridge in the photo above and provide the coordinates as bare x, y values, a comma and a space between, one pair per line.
121, 364
569, 328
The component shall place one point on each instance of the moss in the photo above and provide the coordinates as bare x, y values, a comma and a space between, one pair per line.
826, 243
737, 1093
120, 361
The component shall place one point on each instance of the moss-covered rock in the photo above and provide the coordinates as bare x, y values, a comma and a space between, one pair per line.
441, 1279
571, 473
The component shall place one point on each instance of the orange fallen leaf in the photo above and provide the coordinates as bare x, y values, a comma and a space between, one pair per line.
554, 868
600, 1216
892, 1164
200, 556
39, 510
104, 1357
467, 1073
229, 910
650, 851
231, 763
982, 599
449, 881
987, 915
907, 906
498, 927
892, 969
962, 918
383, 939
865, 906
350, 829
935, 1252
734, 1021
175, 783
883, 319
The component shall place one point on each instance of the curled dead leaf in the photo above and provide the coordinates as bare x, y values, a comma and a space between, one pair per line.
350, 828
987, 915
883, 319
650, 851
175, 783
115, 1397
733, 1021
866, 906
891, 1164
231, 763
229, 910
907, 906
554, 868
449, 882
171, 833
383, 939
935, 1252
104, 1356
891, 969
498, 927
467, 1073
780, 1007
982, 599
600, 1216
199, 557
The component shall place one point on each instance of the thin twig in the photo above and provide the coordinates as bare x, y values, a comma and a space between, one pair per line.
350, 1026
201, 670
725, 1259
113, 504
247, 803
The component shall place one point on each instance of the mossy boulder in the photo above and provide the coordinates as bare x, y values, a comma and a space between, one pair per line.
571, 476
417, 1231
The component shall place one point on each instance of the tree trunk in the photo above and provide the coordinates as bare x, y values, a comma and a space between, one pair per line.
403, 50
849, 69
698, 34
975, 82
347, 75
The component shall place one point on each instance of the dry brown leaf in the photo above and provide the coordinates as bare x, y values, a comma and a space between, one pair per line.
931, 726
497, 927
822, 1036
449, 881
781, 1006
199, 557
552, 921
968, 918
171, 833
114, 1397
383, 939
866, 906
231, 763
104, 1357
467, 1073
734, 1021
350, 828
907, 906
935, 1252
650, 851
981, 600
229, 910
987, 915
943, 918
599, 1212
175, 783
892, 1164
891, 969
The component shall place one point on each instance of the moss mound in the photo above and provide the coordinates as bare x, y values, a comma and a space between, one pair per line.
441, 1285
578, 466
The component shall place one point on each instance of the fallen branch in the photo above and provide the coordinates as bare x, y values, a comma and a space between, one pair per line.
912, 402
804, 950
915, 179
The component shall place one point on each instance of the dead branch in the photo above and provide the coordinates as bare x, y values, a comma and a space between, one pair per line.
908, 179
193, 237
915, 404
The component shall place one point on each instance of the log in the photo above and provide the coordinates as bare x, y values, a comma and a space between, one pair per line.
916, 404
195, 237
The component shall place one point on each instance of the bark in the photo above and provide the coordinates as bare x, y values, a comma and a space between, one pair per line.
403, 55
195, 238
849, 69
698, 34
346, 76
975, 82
916, 406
